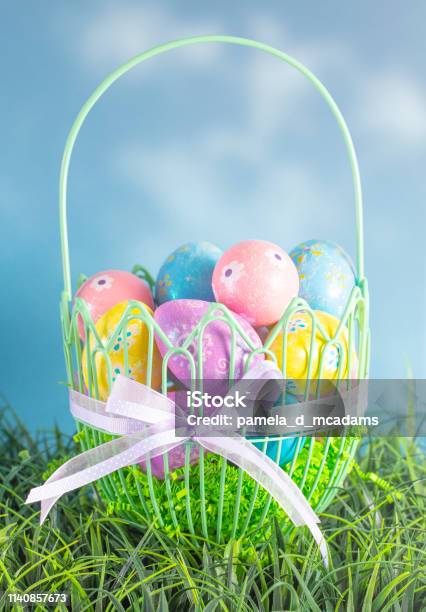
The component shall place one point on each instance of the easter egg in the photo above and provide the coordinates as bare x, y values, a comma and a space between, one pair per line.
288, 449
326, 275
187, 273
134, 337
256, 279
179, 318
326, 362
288, 445
286, 454
106, 289
175, 457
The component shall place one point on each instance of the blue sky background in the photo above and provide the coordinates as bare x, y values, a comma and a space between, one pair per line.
208, 143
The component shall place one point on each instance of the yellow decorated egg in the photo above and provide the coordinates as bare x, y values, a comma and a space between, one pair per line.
133, 337
327, 363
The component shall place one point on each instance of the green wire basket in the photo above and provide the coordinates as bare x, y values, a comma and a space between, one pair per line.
212, 499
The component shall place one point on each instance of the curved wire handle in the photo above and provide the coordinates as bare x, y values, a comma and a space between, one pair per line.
106, 84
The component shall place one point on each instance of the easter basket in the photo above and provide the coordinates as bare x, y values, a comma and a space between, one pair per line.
210, 497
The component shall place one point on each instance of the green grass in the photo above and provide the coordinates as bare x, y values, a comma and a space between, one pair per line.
377, 545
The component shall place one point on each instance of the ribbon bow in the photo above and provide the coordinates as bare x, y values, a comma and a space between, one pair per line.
144, 420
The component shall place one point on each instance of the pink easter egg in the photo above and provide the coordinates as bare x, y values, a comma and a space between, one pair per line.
104, 290
257, 280
178, 318
176, 456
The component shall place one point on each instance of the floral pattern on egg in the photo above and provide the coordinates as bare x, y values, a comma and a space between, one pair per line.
334, 358
102, 282
134, 340
106, 289
231, 274
257, 280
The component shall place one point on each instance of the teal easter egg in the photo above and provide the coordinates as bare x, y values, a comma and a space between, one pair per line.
288, 448
326, 275
288, 445
187, 273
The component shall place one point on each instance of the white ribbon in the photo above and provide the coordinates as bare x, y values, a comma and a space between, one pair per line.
144, 421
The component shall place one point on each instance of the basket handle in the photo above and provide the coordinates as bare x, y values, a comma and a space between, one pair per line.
106, 84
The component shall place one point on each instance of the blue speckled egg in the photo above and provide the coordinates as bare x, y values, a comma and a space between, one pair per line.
288, 445
326, 275
187, 273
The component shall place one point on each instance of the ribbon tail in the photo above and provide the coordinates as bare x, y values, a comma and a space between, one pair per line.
45, 507
272, 478
101, 461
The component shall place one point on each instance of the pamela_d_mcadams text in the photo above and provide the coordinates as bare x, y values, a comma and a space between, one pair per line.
226, 420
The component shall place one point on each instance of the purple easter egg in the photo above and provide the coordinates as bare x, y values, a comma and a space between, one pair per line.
178, 318
176, 456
